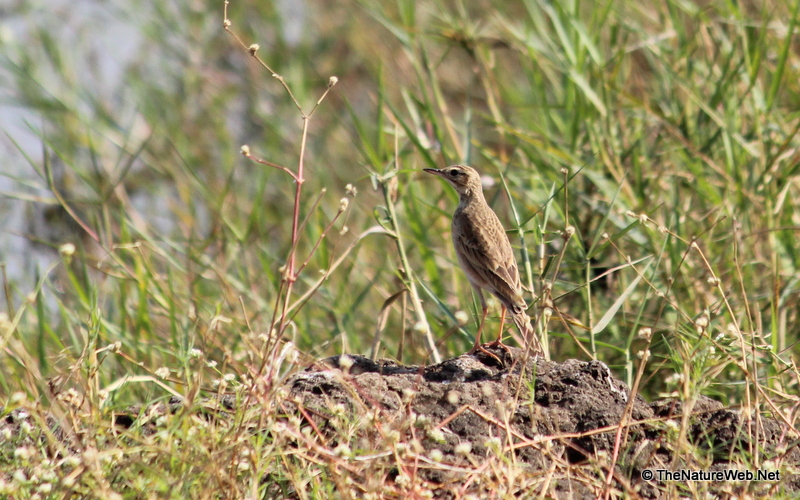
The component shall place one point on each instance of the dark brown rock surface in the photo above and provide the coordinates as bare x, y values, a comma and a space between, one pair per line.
549, 416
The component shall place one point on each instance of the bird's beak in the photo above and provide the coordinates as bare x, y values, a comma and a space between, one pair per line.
434, 171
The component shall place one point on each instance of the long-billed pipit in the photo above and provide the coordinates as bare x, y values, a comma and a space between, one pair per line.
485, 253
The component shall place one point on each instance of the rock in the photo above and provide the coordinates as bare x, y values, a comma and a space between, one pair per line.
544, 416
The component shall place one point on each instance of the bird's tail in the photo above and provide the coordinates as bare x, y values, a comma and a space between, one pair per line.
523, 323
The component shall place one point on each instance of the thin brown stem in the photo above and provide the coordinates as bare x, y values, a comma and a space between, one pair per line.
270, 164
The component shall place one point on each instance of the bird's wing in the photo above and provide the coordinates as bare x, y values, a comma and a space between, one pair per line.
487, 256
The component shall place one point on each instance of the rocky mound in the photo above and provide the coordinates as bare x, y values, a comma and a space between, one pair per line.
501, 426
559, 422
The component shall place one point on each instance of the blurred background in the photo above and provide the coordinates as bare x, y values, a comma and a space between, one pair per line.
661, 132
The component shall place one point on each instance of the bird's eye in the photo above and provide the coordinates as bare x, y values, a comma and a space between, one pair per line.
453, 173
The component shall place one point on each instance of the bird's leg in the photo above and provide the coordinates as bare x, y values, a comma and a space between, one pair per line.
478, 347
502, 322
499, 341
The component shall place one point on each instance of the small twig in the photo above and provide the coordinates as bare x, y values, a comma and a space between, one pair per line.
322, 235
246, 154
312, 424
252, 50
626, 414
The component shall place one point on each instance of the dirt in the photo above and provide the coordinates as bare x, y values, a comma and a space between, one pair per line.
560, 415
468, 423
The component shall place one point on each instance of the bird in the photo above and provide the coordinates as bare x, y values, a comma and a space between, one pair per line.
485, 254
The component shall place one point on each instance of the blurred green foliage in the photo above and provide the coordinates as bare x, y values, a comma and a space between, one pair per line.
661, 132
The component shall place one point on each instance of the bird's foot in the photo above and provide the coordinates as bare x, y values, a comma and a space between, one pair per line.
497, 343
480, 348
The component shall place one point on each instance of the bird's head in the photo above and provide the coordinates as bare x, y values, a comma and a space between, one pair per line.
464, 179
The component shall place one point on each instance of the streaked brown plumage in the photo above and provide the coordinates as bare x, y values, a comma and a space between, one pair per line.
485, 253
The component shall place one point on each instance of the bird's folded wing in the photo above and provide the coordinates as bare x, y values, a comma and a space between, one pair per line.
488, 256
